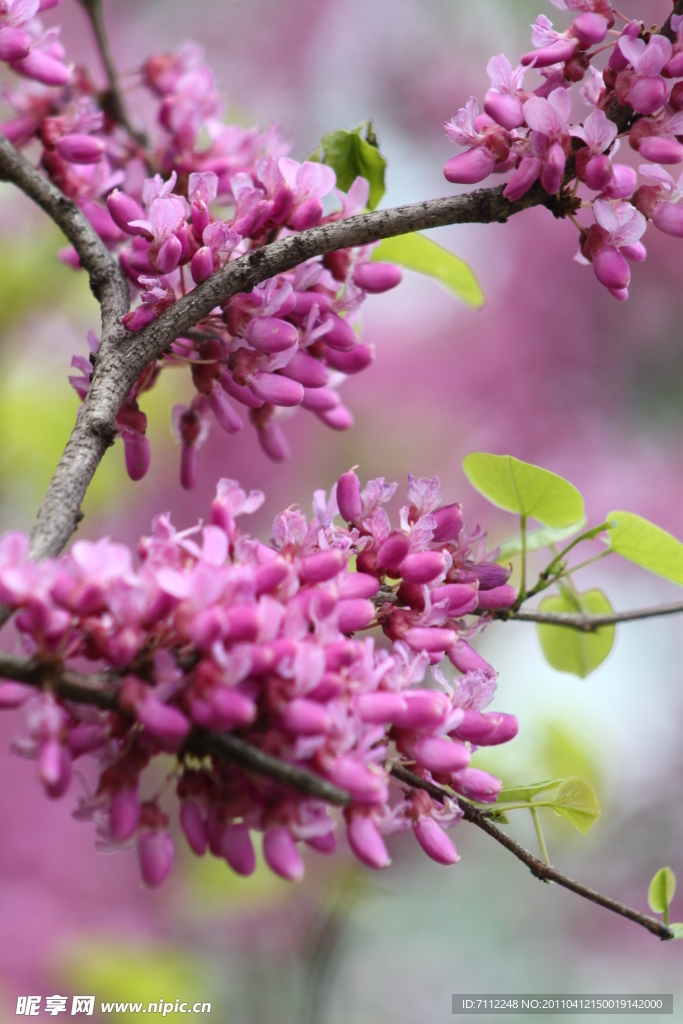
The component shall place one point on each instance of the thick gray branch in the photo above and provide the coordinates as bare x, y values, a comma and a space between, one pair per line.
123, 358
60, 515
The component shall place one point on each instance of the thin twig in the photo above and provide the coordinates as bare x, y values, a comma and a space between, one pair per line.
588, 623
102, 691
112, 100
540, 870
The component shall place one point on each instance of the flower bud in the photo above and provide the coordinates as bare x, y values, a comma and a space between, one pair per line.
425, 709
239, 392
523, 178
366, 842
448, 523
323, 844
306, 717
273, 442
598, 173
232, 707
13, 695
470, 167
611, 269
305, 369
307, 215
340, 335
392, 552
660, 150
188, 466
281, 854
354, 614
506, 729
123, 210
201, 266
438, 755
54, 768
193, 826
169, 255
364, 785
504, 108
590, 28
14, 43
223, 411
466, 659
124, 814
80, 148
475, 727
381, 706
377, 277
156, 854
43, 68
430, 638
237, 849
647, 94
320, 399
165, 722
137, 452
669, 219
268, 334
275, 389
636, 253
477, 785
358, 584
555, 53
353, 361
497, 597
348, 498
434, 841
322, 566
553, 168
424, 567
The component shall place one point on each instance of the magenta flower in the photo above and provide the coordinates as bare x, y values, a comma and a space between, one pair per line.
503, 102
592, 164
660, 201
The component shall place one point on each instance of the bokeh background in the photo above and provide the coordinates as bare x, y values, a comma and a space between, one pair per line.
552, 370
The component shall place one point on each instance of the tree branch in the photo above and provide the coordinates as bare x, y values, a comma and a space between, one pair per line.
587, 623
102, 692
111, 100
123, 358
537, 867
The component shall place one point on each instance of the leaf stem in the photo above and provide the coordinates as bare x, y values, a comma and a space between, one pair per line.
539, 834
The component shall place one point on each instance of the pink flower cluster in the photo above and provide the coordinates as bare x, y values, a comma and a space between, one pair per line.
528, 132
26, 46
213, 630
290, 342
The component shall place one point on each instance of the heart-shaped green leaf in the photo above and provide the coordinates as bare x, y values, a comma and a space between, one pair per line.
524, 488
351, 156
417, 252
647, 545
662, 889
571, 650
576, 801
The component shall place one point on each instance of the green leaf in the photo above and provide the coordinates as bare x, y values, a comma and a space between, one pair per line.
662, 889
538, 539
677, 929
514, 794
417, 252
571, 650
524, 488
647, 545
576, 801
350, 156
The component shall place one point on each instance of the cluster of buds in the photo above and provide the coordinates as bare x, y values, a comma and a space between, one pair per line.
290, 342
213, 632
528, 132
27, 47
